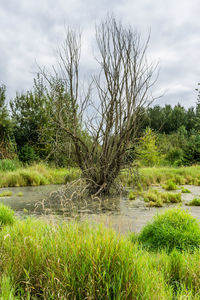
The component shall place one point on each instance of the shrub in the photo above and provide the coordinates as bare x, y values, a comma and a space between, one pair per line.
175, 228
6, 215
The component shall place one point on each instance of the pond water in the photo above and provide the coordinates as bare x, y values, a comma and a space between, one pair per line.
123, 215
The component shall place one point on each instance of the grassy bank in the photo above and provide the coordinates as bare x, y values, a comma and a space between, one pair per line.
37, 174
80, 261
12, 174
162, 175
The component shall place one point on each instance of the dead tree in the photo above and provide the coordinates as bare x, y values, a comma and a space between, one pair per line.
112, 118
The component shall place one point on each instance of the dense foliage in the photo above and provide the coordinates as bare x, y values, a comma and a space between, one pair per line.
168, 136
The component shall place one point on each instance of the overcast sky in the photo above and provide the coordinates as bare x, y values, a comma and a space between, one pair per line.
31, 30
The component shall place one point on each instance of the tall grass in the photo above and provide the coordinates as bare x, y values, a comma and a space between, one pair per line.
9, 165
161, 175
41, 260
37, 174
76, 261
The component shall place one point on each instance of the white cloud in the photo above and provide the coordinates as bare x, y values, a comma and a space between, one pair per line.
31, 30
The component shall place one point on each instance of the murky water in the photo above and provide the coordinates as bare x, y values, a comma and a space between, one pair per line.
120, 213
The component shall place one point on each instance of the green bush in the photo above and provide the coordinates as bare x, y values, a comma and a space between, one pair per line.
175, 228
6, 215
27, 154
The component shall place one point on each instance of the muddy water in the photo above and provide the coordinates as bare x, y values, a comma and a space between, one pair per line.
120, 213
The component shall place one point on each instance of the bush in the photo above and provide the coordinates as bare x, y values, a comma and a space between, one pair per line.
27, 154
6, 215
175, 228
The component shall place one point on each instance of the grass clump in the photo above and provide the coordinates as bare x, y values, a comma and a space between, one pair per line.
174, 229
170, 186
6, 194
194, 202
155, 198
20, 194
173, 197
132, 195
184, 190
6, 215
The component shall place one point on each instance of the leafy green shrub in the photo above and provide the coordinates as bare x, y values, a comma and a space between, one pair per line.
27, 154
175, 157
175, 228
170, 186
194, 202
6, 215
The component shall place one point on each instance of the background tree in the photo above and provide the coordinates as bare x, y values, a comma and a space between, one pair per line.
6, 137
147, 149
122, 91
29, 114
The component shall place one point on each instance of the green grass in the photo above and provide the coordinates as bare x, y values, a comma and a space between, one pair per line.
160, 175
170, 186
20, 194
73, 260
155, 198
38, 174
6, 215
6, 194
173, 229
184, 190
194, 202
132, 195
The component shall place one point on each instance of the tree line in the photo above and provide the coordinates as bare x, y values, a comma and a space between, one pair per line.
27, 132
